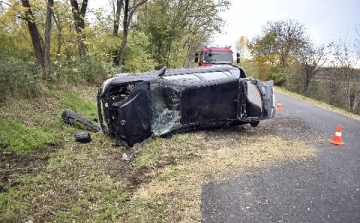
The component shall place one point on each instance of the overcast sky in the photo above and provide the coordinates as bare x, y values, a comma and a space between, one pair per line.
324, 20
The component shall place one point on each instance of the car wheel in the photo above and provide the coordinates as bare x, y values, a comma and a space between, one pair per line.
254, 124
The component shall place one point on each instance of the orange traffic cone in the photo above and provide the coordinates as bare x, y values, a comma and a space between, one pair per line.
279, 107
337, 137
257, 95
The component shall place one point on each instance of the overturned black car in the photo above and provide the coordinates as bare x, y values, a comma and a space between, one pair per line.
133, 107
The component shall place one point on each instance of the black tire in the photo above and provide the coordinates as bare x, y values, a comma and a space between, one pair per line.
83, 137
254, 124
70, 118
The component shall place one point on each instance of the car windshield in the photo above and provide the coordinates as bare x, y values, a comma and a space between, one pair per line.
218, 57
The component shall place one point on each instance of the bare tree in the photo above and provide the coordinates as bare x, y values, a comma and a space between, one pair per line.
357, 40
311, 60
346, 74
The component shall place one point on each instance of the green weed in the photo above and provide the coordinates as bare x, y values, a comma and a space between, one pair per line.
20, 139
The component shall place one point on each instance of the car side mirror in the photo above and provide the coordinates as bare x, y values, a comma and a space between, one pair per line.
237, 57
196, 57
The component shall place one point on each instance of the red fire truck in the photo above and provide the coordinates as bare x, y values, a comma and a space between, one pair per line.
215, 55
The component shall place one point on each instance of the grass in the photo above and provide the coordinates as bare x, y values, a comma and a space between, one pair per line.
90, 182
20, 139
29, 125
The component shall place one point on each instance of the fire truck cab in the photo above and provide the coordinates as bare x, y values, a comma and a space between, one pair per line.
215, 55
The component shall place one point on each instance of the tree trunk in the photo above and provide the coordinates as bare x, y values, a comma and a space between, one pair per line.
309, 74
119, 5
36, 38
356, 101
348, 94
47, 65
79, 19
126, 24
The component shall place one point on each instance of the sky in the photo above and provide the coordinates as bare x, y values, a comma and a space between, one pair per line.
324, 20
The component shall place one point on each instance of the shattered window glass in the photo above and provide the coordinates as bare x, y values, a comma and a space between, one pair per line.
164, 105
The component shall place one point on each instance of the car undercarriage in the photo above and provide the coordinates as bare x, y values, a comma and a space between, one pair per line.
134, 107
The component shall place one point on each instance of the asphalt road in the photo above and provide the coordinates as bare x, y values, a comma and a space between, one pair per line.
325, 188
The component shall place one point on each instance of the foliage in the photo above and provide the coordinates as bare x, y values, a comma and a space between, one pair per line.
160, 33
19, 79
12, 46
261, 51
279, 75
137, 59
278, 47
241, 46
173, 27
295, 80
82, 70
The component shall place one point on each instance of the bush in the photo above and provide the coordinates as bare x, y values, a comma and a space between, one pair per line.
279, 75
279, 78
82, 70
19, 79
